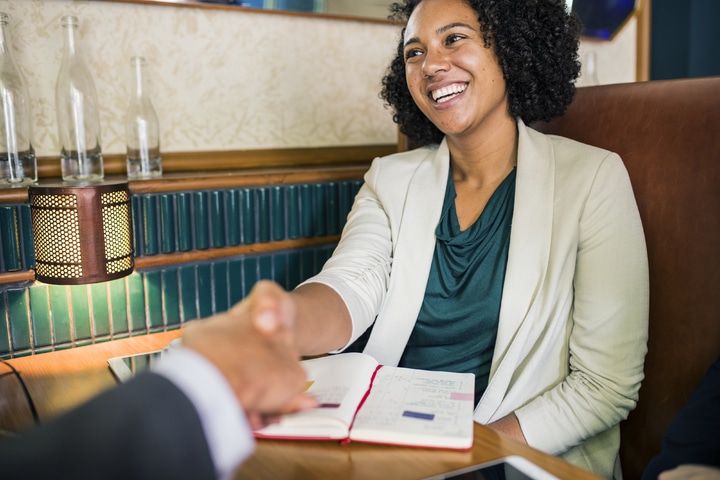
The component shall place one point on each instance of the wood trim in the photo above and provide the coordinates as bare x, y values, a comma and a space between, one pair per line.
216, 253
226, 169
17, 277
14, 195
642, 46
151, 261
237, 160
234, 179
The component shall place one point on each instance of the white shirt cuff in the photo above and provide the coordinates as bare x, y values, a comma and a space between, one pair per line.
224, 423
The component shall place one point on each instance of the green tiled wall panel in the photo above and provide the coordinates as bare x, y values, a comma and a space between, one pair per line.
60, 316
333, 209
168, 226
10, 239
150, 224
136, 303
188, 297
247, 216
292, 211
220, 286
170, 296
136, 202
202, 220
16, 247
51, 317
307, 225
186, 221
19, 319
4, 325
40, 317
294, 268
217, 219
80, 307
118, 300
100, 309
319, 210
204, 291
278, 213
232, 217
262, 215
152, 284
250, 274
235, 278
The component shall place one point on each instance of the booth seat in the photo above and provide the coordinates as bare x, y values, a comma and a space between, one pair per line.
668, 134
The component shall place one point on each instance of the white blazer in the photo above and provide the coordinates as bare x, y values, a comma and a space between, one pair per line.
572, 331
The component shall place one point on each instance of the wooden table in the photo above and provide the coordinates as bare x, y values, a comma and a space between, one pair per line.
59, 380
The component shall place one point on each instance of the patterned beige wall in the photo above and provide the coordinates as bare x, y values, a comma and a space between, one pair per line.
225, 80
221, 80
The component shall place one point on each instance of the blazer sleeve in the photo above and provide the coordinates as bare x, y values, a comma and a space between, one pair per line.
143, 429
609, 321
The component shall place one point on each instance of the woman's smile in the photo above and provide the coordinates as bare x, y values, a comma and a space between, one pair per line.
446, 93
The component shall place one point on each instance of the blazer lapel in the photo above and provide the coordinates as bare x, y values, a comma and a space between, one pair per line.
412, 258
527, 263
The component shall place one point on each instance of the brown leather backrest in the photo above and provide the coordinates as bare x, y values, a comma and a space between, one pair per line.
668, 134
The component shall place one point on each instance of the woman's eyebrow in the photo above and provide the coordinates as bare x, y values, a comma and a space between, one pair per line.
440, 30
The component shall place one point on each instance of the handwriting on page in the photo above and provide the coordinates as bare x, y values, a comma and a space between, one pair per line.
330, 396
421, 401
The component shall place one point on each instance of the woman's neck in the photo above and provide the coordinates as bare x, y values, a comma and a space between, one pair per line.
485, 158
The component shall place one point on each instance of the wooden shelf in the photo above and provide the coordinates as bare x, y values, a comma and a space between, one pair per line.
227, 169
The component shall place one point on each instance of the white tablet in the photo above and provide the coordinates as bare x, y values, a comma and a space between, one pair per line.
507, 468
124, 368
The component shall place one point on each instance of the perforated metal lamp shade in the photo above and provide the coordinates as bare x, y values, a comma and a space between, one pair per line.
82, 234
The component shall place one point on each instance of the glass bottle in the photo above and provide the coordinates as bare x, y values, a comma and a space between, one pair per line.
142, 129
78, 113
18, 166
589, 73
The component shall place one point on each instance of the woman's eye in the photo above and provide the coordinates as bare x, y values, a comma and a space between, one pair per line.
453, 38
412, 53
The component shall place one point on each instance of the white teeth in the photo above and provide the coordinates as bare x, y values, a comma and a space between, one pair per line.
443, 94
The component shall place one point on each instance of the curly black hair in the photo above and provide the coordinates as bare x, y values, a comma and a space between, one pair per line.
536, 43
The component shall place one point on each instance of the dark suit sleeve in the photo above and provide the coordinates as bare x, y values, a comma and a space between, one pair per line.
694, 434
144, 429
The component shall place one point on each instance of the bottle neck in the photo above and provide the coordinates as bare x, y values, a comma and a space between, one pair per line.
4, 44
138, 72
70, 26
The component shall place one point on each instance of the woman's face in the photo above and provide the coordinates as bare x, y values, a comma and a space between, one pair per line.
453, 78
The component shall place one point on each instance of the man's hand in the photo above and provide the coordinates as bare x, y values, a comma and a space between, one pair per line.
252, 345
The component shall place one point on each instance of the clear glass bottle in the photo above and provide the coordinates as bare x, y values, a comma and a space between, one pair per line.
589, 72
142, 130
78, 113
18, 166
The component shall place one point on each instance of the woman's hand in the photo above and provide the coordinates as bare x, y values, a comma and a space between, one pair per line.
509, 425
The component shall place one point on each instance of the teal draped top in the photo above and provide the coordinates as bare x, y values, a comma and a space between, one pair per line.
457, 324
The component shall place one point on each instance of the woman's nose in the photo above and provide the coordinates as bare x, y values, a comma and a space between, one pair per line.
435, 61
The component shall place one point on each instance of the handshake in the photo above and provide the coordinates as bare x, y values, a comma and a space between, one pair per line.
253, 346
